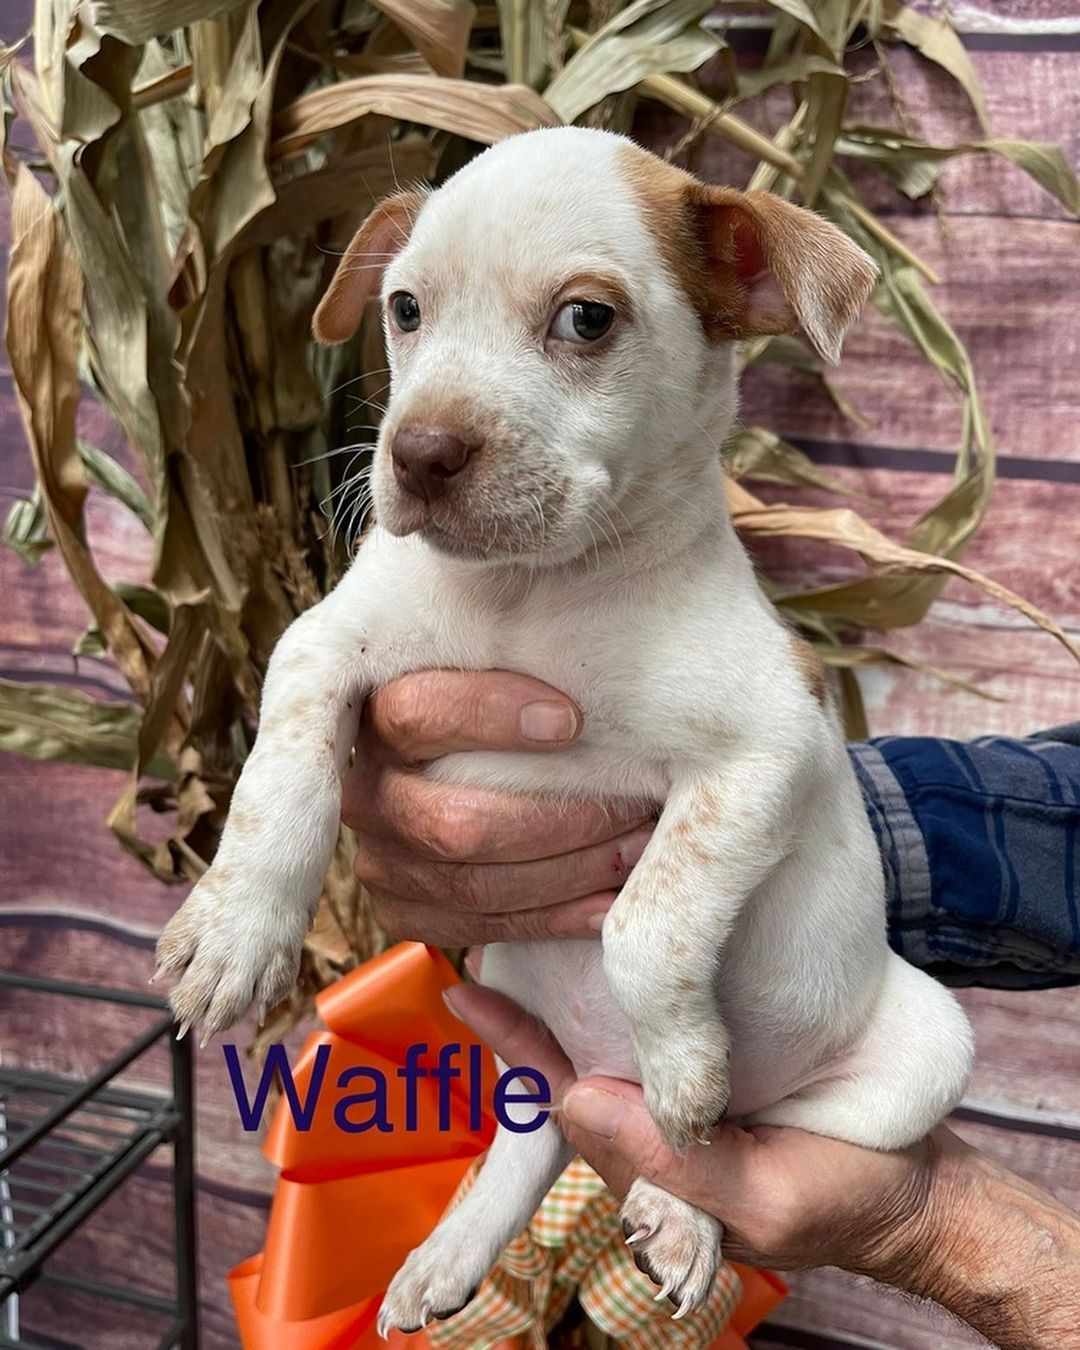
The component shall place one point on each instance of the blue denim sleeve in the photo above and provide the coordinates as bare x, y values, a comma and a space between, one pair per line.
980, 845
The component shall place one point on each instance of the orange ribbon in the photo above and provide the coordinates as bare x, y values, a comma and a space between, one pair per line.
349, 1207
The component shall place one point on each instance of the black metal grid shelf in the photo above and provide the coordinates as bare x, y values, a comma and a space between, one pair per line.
66, 1145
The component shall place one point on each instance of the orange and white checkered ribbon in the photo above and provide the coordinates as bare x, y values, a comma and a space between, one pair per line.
575, 1245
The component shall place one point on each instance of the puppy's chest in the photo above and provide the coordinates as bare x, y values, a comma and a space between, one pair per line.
643, 704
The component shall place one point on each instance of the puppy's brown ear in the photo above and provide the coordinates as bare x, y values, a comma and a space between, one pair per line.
359, 274
769, 266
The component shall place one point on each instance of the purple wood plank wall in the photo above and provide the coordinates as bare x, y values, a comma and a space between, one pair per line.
72, 904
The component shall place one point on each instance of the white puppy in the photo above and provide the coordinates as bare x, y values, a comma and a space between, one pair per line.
562, 319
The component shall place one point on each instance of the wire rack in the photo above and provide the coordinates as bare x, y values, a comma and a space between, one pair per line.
66, 1145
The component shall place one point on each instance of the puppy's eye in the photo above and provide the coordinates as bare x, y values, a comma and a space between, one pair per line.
582, 321
406, 311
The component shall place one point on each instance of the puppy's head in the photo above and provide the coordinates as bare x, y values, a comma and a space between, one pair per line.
561, 319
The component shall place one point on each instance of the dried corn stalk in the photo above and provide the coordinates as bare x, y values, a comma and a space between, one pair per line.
202, 161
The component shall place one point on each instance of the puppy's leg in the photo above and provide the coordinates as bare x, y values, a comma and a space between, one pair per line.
441, 1275
717, 839
675, 1244
237, 937
906, 1071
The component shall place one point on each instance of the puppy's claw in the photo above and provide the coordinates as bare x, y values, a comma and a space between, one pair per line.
686, 1305
185, 1027
638, 1235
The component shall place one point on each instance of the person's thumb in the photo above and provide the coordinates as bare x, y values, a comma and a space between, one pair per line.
607, 1122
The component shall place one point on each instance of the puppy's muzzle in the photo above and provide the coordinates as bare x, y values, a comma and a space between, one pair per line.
427, 458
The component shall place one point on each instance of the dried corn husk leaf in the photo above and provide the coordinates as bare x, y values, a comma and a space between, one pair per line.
136, 21
826, 99
477, 112
148, 604
26, 530
756, 453
44, 722
828, 20
43, 325
647, 38
526, 27
438, 29
853, 658
801, 11
938, 42
793, 353
901, 155
845, 529
751, 83
114, 479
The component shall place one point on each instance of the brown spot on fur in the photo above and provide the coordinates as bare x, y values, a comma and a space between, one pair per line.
359, 274
698, 851
811, 668
593, 286
717, 241
710, 806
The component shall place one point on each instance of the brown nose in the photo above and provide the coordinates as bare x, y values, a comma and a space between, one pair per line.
426, 458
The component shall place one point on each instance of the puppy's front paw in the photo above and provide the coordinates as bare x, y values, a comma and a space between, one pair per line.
437, 1280
685, 1081
230, 947
676, 1245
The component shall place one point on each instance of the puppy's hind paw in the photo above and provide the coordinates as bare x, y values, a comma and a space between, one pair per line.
437, 1280
676, 1245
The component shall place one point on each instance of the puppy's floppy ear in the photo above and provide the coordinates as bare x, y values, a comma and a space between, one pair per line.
767, 266
359, 274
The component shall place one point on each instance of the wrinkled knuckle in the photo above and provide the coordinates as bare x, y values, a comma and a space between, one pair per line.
454, 831
462, 886
392, 915
369, 867
404, 713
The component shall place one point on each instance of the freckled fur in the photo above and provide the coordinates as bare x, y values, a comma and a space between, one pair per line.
811, 667
744, 967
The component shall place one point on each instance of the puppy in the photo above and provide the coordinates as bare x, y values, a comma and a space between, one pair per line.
561, 320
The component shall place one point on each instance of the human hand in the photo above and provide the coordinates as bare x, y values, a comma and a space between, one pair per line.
787, 1199
455, 865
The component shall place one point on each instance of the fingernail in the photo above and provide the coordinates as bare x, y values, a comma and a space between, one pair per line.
596, 921
598, 1112
633, 846
448, 999
473, 961
548, 722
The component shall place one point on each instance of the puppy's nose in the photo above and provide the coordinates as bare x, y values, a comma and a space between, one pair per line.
426, 458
